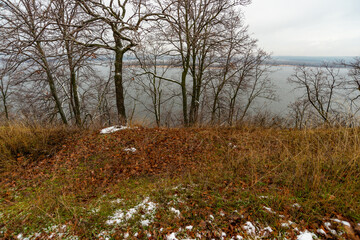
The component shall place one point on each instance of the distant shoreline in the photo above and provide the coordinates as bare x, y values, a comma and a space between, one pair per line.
274, 64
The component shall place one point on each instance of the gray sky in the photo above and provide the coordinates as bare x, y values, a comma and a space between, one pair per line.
306, 27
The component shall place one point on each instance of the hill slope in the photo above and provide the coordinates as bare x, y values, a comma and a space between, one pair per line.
141, 183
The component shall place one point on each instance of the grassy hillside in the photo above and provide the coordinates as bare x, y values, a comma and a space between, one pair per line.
140, 183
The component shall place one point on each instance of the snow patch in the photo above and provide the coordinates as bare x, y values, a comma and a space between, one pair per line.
328, 225
189, 228
343, 222
117, 218
21, 237
233, 146
296, 205
104, 235
249, 228
55, 231
120, 216
145, 223
116, 201
269, 210
130, 149
113, 129
306, 236
287, 225
264, 197
321, 231
177, 212
172, 236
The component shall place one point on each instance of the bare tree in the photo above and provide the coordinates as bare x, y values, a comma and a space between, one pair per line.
25, 28
299, 113
154, 65
258, 84
66, 16
5, 85
320, 85
352, 83
120, 22
231, 54
193, 28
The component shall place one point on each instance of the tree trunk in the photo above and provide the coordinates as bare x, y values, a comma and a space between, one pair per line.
74, 87
184, 97
51, 82
119, 90
75, 97
55, 96
5, 108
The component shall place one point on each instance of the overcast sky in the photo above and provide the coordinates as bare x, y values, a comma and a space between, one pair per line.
306, 27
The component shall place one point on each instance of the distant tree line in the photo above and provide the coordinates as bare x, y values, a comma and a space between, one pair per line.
195, 63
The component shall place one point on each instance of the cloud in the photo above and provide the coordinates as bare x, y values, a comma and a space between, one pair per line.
307, 27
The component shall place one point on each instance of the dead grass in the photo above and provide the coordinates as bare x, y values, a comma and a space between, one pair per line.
212, 170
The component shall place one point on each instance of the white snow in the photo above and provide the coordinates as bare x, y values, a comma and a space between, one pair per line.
212, 217
321, 231
126, 235
296, 205
269, 210
287, 225
145, 223
263, 197
189, 227
95, 210
268, 229
306, 235
250, 228
343, 222
222, 213
55, 231
116, 201
328, 225
130, 149
119, 216
116, 218
177, 212
113, 129
21, 237
172, 236
231, 145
